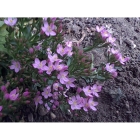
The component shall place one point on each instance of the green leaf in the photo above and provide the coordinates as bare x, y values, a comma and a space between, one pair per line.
2, 48
50, 82
64, 107
69, 61
1, 23
3, 31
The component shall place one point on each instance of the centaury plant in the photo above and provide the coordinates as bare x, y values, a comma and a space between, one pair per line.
37, 65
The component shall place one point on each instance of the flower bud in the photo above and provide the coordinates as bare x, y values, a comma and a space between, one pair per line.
83, 60
1, 114
1, 107
38, 47
7, 84
93, 69
26, 89
38, 92
40, 71
21, 80
26, 93
15, 79
10, 106
45, 79
6, 96
56, 103
31, 50
17, 89
27, 102
61, 88
86, 70
79, 90
88, 63
41, 32
3, 88
54, 107
114, 74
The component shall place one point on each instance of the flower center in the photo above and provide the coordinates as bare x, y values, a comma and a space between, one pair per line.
40, 65
11, 21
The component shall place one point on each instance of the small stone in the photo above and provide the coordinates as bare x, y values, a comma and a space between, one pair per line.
127, 104
30, 117
42, 111
128, 112
53, 116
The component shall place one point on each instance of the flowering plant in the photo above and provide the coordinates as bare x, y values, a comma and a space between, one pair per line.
38, 65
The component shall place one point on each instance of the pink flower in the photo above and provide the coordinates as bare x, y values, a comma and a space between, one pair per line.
49, 68
69, 44
87, 91
69, 83
110, 68
39, 64
60, 67
61, 50
3, 89
96, 89
1, 107
85, 104
105, 33
54, 58
68, 51
16, 66
62, 77
123, 60
46, 105
99, 29
10, 21
55, 96
13, 96
111, 40
38, 100
48, 29
92, 104
55, 86
75, 102
47, 92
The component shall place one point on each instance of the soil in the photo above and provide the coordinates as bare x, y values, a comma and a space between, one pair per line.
119, 100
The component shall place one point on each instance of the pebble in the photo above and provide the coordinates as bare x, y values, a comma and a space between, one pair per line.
30, 117
53, 116
42, 111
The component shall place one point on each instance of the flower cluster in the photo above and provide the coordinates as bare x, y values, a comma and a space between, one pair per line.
43, 68
77, 102
106, 35
118, 56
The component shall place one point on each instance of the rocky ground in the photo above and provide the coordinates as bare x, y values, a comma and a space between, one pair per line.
120, 98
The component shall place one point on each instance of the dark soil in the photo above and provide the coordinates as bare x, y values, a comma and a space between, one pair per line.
119, 100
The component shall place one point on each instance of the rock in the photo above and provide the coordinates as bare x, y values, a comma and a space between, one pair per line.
30, 117
42, 111
53, 116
